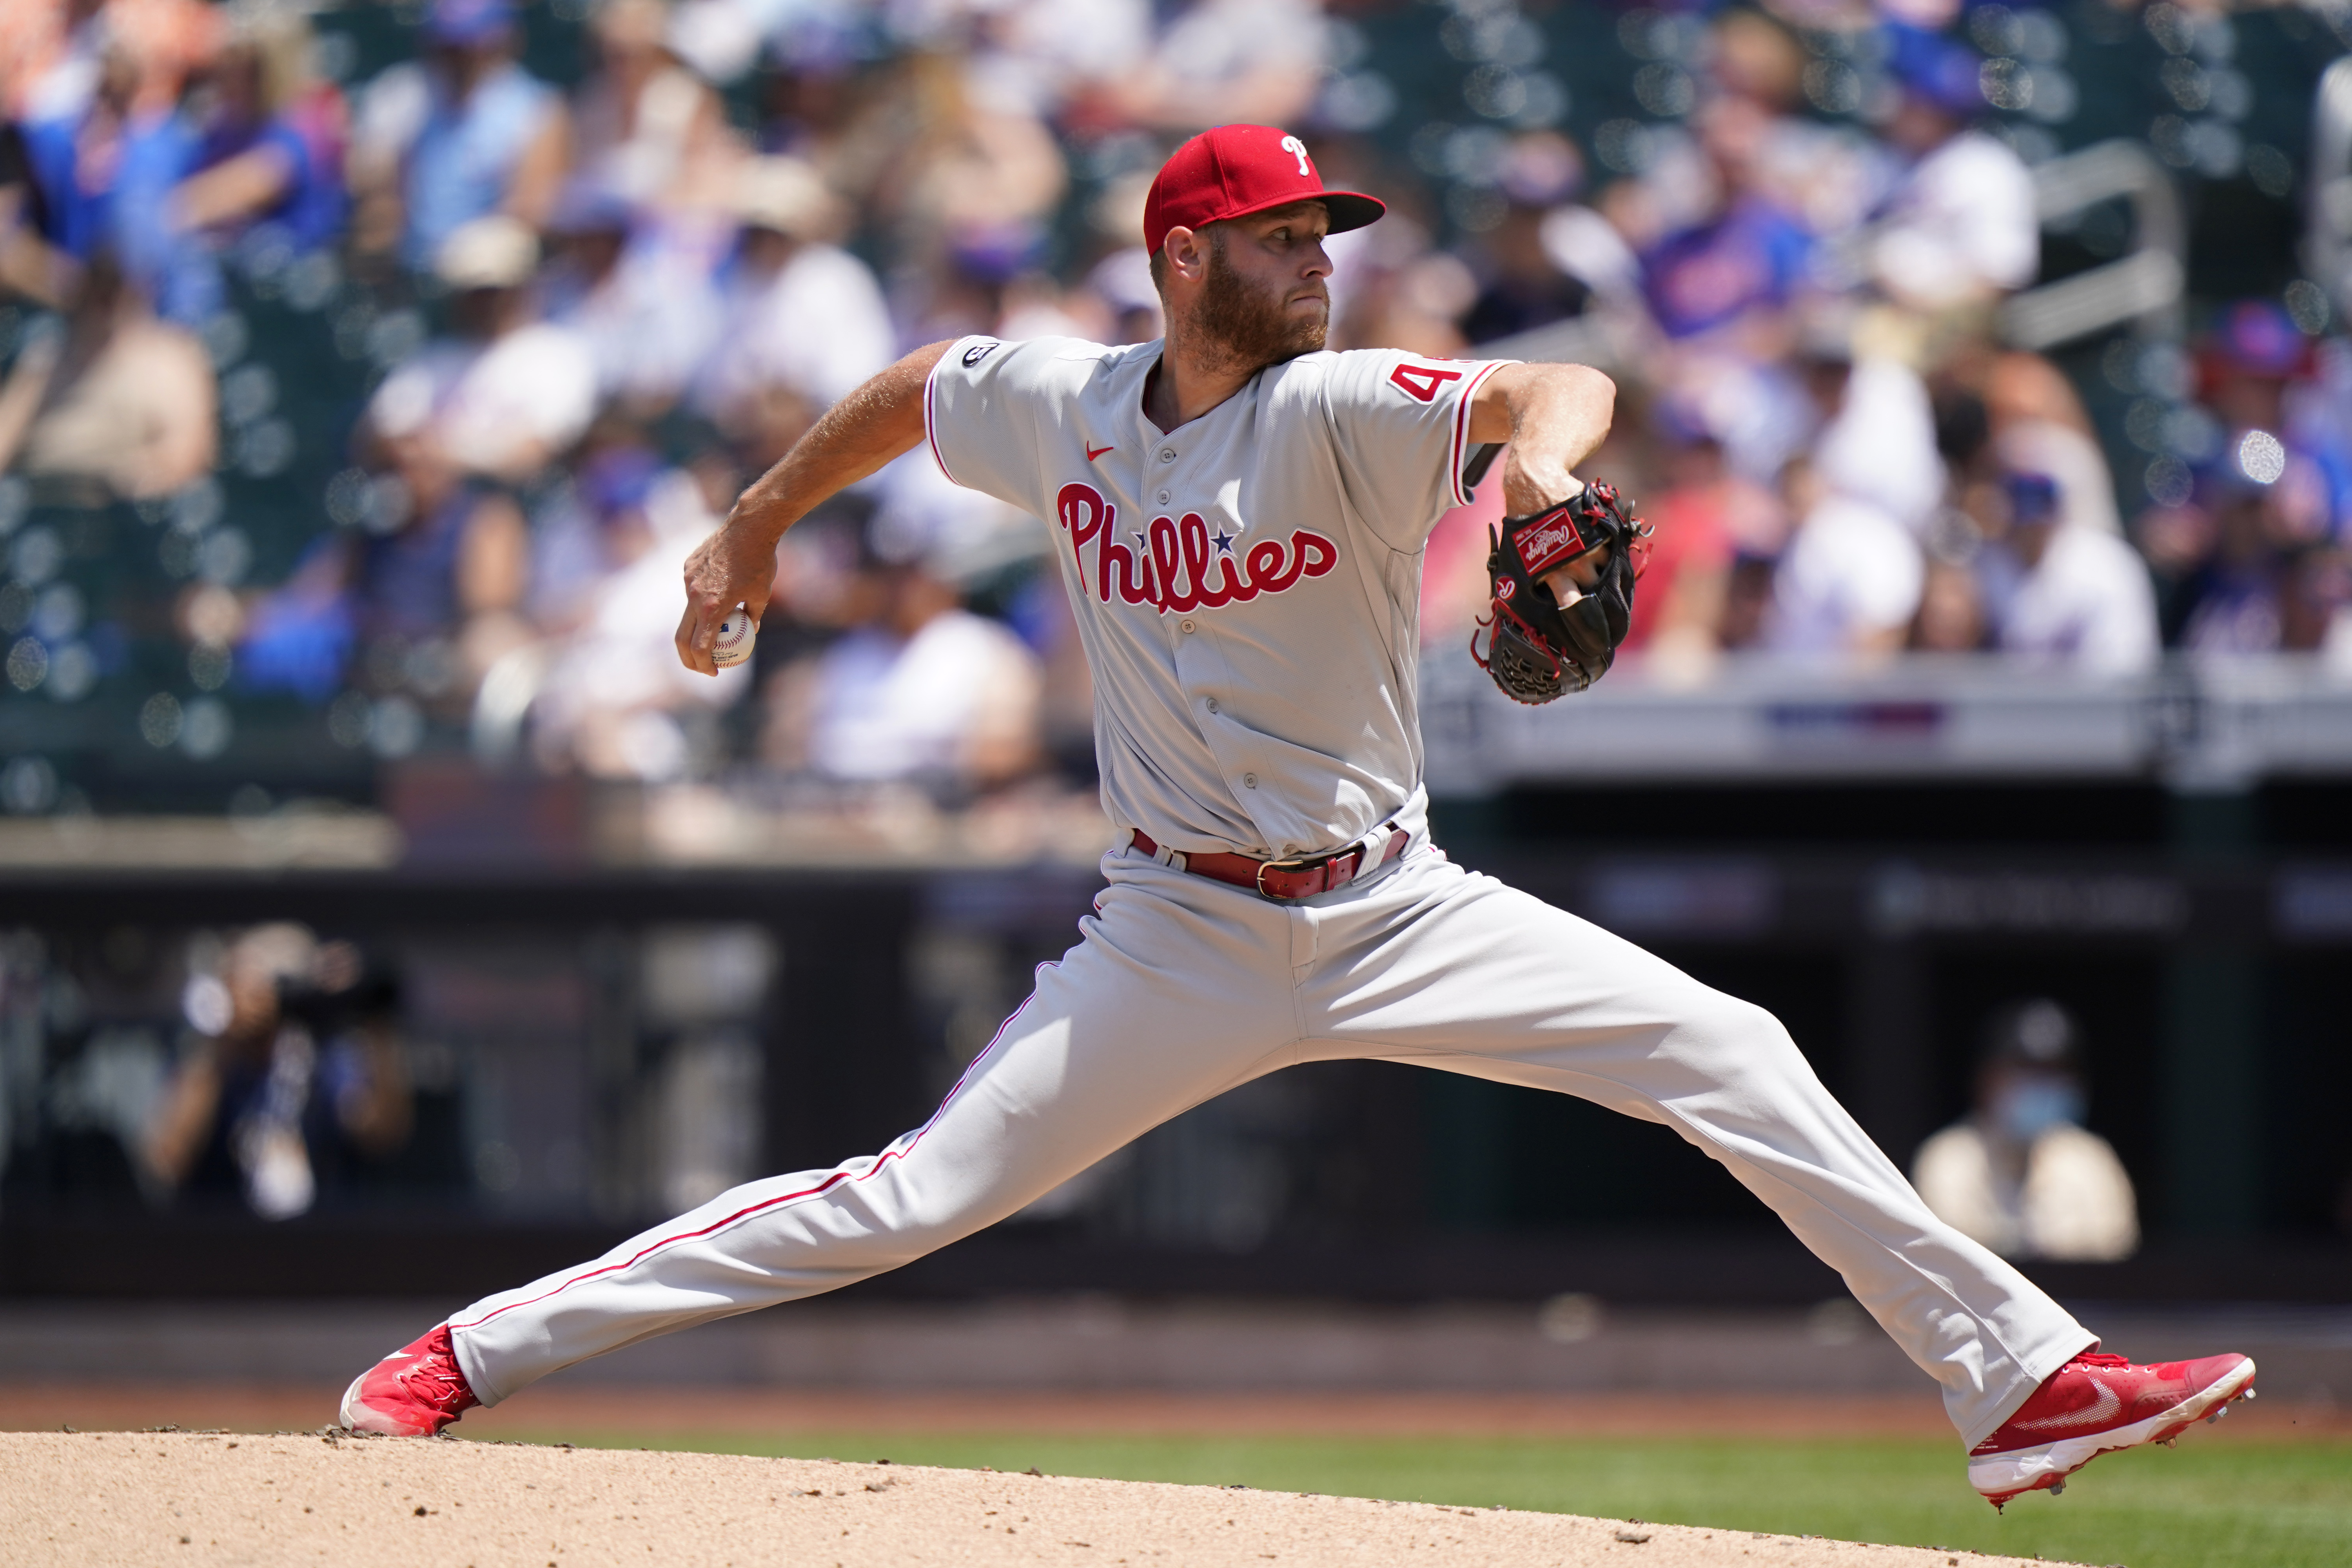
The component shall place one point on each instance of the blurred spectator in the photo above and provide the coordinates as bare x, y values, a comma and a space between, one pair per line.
592, 524
919, 690
2252, 558
1122, 282
1823, 174
464, 133
645, 127
297, 1065
506, 393
1044, 53
610, 697
639, 300
1217, 62
425, 595
117, 404
2056, 590
263, 159
51, 68
803, 321
1951, 614
2020, 1174
421, 600
104, 168
1960, 227
2028, 399
1699, 517
1745, 258
1393, 288
1520, 286
1876, 440
971, 201
1850, 578
30, 266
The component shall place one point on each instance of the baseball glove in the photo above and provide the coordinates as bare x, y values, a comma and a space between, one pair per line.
1537, 649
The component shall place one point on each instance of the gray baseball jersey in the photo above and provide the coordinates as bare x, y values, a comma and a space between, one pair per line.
1247, 587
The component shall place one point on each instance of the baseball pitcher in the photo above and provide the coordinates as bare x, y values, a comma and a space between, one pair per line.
1239, 517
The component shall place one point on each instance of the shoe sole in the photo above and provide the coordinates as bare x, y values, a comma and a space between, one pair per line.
2000, 1476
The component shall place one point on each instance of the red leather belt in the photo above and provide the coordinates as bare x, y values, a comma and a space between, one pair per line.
1283, 880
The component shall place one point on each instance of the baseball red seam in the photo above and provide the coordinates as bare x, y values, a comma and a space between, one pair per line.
819, 1190
1462, 428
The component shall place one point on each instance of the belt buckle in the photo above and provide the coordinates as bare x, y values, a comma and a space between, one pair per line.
1259, 878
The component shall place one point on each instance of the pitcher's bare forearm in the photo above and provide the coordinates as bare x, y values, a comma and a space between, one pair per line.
1554, 416
737, 566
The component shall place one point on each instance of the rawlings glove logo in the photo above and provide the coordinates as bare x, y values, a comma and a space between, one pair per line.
1552, 540
1536, 648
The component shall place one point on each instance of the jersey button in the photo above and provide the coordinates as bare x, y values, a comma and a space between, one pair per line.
1167, 454
1185, 624
1212, 705
1163, 497
1249, 781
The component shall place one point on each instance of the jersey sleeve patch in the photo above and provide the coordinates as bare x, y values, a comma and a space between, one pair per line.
1421, 382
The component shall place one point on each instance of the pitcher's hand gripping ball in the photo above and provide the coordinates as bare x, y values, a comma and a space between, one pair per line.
737, 633
1538, 647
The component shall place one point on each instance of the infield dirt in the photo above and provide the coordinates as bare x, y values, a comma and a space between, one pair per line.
192, 1498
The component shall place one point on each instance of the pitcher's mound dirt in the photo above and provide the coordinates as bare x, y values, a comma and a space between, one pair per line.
123, 1499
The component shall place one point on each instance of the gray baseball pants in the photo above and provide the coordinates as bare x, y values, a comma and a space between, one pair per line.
1182, 988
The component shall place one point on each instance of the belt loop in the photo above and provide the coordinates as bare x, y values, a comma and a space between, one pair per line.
1168, 858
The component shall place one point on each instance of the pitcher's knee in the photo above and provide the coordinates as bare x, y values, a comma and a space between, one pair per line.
1736, 1037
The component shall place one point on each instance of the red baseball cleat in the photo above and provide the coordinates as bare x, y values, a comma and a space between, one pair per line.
412, 1392
2095, 1404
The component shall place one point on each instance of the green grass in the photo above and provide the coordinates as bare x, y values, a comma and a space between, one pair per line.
2239, 1505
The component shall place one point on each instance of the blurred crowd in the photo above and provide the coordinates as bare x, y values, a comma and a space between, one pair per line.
594, 306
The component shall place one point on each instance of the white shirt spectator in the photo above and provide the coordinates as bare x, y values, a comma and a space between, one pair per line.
502, 408
611, 688
1036, 52
1852, 574
888, 710
819, 327
959, 535
1961, 225
2088, 602
1881, 446
649, 324
2086, 492
2075, 1203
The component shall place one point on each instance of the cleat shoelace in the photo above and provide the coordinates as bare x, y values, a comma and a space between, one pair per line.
442, 1390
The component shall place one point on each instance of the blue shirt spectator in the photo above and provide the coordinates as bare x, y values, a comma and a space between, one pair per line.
1753, 255
466, 134
1748, 254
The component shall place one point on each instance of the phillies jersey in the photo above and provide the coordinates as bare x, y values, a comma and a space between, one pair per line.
1247, 586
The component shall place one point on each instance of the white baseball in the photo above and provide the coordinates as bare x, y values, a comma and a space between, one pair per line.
737, 633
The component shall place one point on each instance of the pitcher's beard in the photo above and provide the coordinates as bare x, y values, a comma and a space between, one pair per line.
1247, 328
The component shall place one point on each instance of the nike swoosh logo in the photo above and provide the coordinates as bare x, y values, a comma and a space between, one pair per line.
1094, 452
2103, 1409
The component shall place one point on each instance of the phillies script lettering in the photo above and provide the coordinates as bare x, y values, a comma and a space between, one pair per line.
1172, 569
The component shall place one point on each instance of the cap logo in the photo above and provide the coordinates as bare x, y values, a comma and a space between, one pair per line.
1297, 149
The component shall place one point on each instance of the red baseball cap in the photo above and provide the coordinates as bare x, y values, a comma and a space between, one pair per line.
1237, 170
